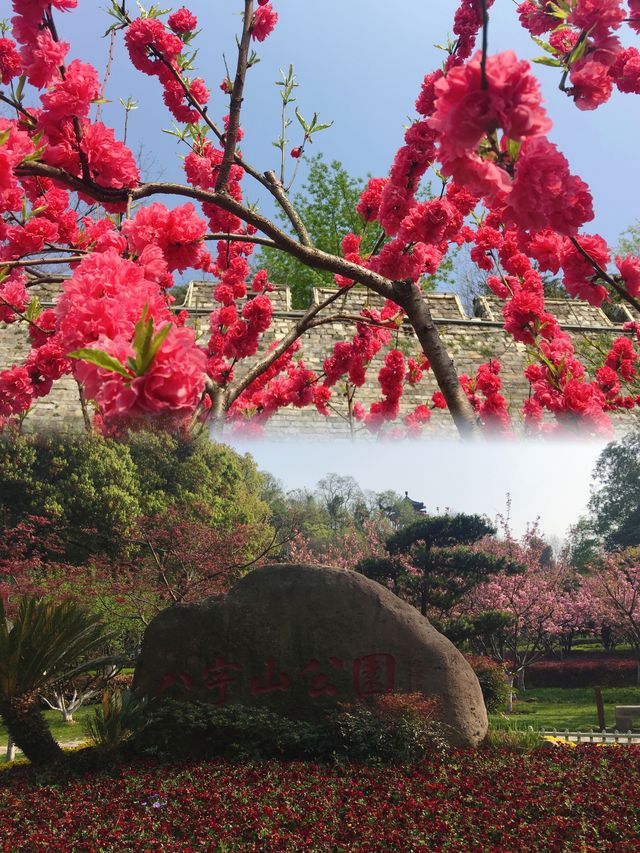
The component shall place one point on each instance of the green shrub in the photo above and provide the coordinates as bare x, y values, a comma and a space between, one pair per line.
115, 720
197, 729
395, 729
513, 738
493, 683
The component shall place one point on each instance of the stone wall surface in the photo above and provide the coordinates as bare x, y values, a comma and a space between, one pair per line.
471, 340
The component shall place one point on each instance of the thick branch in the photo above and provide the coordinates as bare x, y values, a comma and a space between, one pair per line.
409, 297
231, 136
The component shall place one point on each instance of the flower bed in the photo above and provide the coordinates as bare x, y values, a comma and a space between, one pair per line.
584, 670
585, 798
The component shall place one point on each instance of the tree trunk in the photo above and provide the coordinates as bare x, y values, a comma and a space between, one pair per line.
11, 750
509, 708
521, 680
29, 730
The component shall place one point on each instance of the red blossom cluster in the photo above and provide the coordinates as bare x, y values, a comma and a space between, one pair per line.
508, 192
584, 42
154, 50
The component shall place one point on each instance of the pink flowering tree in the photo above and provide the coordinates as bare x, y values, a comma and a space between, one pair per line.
530, 607
613, 587
506, 190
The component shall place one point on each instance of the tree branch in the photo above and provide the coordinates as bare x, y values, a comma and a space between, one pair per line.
409, 297
279, 192
32, 262
242, 238
604, 275
231, 136
405, 294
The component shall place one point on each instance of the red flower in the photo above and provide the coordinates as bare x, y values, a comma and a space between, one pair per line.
182, 21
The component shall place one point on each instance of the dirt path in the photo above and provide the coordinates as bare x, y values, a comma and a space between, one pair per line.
64, 744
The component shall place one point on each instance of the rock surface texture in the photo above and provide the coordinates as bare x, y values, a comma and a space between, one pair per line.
300, 639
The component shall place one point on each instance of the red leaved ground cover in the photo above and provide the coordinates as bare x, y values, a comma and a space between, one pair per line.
581, 799
584, 670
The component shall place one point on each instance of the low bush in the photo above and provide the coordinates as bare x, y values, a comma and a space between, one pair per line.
119, 715
397, 728
394, 729
583, 670
493, 682
513, 738
197, 729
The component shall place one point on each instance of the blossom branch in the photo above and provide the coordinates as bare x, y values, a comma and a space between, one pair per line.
404, 294
18, 107
25, 318
281, 347
604, 275
231, 136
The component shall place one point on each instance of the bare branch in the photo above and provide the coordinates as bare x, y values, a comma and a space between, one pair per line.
242, 238
279, 192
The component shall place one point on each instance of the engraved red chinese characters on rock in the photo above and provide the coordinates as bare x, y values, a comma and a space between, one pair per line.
272, 682
373, 675
220, 677
320, 684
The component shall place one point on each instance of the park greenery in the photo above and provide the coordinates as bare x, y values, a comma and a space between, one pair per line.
199, 516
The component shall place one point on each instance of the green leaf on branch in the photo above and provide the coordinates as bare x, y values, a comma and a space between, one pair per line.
579, 48
303, 123
547, 60
20, 87
513, 149
558, 11
100, 359
146, 344
34, 309
544, 45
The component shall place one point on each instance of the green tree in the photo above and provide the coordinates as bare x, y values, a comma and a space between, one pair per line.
43, 645
327, 206
614, 507
431, 564
97, 488
629, 243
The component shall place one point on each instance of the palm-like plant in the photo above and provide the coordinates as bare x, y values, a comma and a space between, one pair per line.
41, 646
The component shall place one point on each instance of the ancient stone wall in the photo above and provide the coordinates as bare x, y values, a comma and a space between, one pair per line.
471, 340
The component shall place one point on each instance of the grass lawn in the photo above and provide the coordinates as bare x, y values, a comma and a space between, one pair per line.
61, 731
565, 708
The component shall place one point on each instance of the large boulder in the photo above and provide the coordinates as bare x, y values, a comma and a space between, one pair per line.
299, 639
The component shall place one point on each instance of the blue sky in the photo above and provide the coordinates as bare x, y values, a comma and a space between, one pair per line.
549, 480
359, 64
